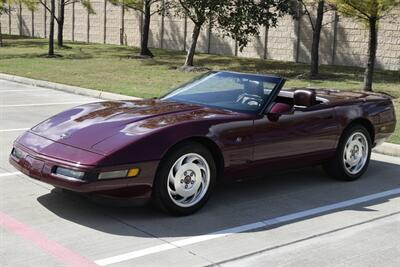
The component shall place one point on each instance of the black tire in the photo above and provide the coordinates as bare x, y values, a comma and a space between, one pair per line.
336, 167
161, 197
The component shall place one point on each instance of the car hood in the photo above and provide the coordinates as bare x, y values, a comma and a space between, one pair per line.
87, 125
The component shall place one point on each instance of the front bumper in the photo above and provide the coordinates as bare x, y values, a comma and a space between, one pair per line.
42, 168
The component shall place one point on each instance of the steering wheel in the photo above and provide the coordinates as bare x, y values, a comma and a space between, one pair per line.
251, 100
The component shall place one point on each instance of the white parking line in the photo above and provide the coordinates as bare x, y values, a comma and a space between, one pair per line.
13, 130
244, 228
43, 104
9, 174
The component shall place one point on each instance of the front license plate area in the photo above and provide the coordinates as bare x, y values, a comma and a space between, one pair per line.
33, 166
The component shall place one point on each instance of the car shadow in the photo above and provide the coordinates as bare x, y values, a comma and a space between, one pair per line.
233, 203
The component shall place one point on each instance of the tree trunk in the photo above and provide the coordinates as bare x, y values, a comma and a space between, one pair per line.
122, 30
192, 48
33, 23
61, 15
314, 66
20, 19
372, 45
51, 33
1, 35
144, 46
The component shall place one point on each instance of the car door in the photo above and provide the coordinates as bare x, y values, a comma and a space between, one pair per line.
235, 140
290, 137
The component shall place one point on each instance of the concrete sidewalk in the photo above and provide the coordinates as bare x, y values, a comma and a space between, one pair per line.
388, 149
66, 88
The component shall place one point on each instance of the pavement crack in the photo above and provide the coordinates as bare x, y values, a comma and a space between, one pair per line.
211, 263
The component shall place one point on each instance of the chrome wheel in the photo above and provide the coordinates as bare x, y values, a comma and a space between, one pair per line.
188, 180
355, 153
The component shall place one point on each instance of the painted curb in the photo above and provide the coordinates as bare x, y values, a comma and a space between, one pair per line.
66, 88
388, 149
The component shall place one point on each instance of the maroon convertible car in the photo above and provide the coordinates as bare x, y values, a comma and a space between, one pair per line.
221, 124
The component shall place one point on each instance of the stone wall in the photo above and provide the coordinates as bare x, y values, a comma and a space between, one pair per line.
343, 41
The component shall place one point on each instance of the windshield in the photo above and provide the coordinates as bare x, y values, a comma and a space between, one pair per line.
227, 90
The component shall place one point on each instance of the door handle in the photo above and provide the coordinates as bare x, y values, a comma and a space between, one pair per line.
239, 140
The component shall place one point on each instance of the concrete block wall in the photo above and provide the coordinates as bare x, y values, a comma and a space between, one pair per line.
255, 49
132, 27
174, 33
68, 22
39, 22
5, 27
26, 22
282, 40
96, 22
155, 31
81, 23
114, 23
326, 41
220, 44
343, 41
14, 21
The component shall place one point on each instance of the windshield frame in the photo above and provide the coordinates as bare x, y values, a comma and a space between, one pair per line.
278, 81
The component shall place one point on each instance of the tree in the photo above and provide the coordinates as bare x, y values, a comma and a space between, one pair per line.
316, 26
51, 30
52, 9
32, 5
61, 15
239, 19
314, 65
145, 7
242, 19
4, 9
368, 12
199, 12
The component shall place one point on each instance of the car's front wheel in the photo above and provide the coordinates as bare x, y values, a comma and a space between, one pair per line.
185, 179
352, 155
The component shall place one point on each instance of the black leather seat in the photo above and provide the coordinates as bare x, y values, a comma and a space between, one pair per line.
253, 88
305, 98
253, 93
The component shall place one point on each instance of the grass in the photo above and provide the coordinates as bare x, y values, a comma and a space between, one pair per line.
114, 68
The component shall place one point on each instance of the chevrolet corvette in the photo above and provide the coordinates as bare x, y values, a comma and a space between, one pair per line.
174, 149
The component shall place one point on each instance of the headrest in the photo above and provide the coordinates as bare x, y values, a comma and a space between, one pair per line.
254, 88
305, 98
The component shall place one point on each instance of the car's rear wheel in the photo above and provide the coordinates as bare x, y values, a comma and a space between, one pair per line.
185, 179
352, 155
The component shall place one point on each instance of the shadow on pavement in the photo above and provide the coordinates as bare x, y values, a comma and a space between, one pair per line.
233, 203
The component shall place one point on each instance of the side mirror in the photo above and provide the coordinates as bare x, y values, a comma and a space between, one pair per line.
279, 109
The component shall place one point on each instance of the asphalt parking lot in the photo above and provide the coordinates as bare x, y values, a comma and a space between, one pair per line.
294, 218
